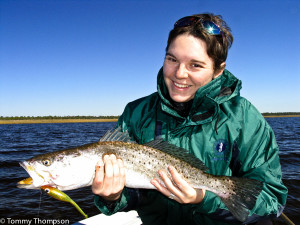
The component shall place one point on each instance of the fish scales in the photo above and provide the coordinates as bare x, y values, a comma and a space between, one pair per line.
75, 168
133, 156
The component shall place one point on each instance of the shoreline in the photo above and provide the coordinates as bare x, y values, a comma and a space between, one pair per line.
57, 121
282, 116
33, 121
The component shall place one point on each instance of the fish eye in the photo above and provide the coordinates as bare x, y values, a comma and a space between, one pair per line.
47, 190
46, 162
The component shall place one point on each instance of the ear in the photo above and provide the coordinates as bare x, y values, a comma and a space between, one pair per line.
220, 71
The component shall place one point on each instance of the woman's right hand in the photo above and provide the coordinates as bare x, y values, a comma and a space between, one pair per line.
109, 180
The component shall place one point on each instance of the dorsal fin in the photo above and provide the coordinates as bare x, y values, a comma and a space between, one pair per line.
116, 135
160, 144
177, 152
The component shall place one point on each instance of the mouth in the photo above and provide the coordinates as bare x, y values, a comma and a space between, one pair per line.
34, 181
181, 86
27, 181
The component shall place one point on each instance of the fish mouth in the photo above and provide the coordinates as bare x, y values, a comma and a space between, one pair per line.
26, 181
34, 181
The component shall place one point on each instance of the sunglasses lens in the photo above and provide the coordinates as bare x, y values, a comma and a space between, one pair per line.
211, 28
186, 21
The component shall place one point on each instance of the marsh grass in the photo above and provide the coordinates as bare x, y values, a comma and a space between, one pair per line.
57, 121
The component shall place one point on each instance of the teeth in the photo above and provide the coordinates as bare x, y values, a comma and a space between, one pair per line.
181, 85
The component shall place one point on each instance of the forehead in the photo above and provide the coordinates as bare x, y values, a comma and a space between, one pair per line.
189, 47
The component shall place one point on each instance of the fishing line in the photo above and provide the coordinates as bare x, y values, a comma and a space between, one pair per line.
39, 209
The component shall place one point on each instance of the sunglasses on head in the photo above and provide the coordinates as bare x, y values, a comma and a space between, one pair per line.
209, 26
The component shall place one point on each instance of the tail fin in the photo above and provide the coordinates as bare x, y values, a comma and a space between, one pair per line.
243, 198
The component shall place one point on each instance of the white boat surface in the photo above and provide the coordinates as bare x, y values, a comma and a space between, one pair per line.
120, 218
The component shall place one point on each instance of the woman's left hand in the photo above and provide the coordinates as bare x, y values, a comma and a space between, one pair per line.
178, 188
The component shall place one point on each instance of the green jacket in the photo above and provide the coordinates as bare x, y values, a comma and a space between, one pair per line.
219, 116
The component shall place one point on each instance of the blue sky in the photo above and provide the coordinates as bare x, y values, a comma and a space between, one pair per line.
93, 57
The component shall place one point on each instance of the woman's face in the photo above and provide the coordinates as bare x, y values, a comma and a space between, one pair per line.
187, 67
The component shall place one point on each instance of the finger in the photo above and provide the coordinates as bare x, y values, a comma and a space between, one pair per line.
187, 193
108, 174
169, 184
98, 179
99, 174
122, 173
116, 171
167, 187
161, 188
180, 182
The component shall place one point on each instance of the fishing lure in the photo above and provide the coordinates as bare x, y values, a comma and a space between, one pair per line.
59, 195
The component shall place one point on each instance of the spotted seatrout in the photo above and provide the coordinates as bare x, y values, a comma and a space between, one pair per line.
75, 168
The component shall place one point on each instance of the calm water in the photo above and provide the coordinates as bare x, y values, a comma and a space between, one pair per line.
20, 142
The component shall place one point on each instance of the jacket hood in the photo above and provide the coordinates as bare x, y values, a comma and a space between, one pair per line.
207, 98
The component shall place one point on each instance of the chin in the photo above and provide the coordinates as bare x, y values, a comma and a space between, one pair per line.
180, 99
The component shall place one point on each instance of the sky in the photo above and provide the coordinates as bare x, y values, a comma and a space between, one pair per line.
90, 58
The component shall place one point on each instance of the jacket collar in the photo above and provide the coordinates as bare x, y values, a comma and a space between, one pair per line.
207, 99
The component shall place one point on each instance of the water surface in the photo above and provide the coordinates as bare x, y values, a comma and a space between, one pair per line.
22, 141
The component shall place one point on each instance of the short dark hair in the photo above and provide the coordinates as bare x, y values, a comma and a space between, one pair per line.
217, 45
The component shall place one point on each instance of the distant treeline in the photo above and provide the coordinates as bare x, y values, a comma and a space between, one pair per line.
111, 117
281, 114
55, 117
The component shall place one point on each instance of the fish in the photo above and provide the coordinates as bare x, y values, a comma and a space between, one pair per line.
59, 195
75, 168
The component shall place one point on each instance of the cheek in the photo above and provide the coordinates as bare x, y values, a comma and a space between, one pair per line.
201, 79
165, 72
168, 69
166, 75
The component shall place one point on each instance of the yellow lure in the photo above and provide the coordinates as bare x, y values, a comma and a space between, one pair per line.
59, 195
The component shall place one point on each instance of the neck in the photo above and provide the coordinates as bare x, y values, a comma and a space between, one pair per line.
182, 108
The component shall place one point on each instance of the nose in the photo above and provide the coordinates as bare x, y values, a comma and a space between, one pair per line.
181, 72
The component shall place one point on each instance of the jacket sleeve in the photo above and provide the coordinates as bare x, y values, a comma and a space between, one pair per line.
258, 157
255, 155
129, 200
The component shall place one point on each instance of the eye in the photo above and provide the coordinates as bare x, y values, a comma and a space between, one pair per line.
195, 65
47, 190
46, 162
171, 59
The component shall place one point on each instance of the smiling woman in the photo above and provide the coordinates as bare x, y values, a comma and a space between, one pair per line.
197, 107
